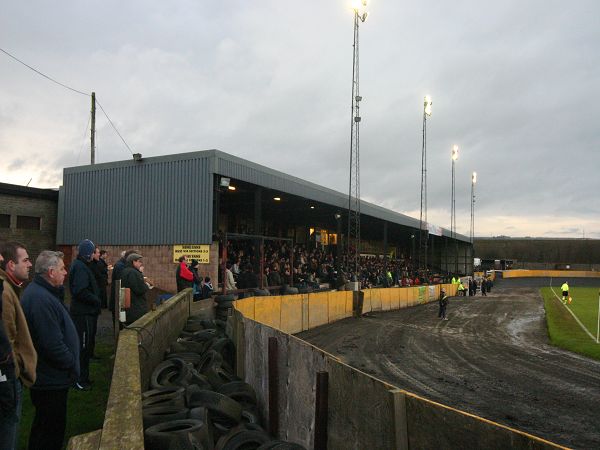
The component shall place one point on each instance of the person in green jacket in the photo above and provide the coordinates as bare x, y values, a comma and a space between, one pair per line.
565, 292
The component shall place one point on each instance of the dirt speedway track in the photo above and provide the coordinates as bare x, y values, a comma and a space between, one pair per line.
491, 358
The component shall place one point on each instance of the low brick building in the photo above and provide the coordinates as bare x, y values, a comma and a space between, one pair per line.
28, 215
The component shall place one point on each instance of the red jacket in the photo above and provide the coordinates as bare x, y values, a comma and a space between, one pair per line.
184, 272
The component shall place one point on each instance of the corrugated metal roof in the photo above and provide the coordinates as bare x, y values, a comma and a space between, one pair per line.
169, 199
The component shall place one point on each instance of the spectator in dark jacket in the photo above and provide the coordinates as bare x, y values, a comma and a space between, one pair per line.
85, 308
55, 339
100, 270
133, 278
197, 283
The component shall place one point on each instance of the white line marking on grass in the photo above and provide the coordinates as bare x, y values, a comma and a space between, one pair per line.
574, 316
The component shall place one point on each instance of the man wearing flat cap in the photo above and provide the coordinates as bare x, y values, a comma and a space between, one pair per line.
133, 278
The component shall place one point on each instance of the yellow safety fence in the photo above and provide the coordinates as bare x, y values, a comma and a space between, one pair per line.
296, 313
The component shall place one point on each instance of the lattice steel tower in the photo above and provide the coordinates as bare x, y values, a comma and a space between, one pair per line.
473, 181
353, 244
423, 225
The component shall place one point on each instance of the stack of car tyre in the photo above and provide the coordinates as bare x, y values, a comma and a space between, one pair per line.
224, 306
196, 402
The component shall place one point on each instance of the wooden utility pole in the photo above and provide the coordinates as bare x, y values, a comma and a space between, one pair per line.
93, 131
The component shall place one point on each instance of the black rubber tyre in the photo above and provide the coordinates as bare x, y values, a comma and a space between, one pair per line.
205, 335
159, 437
171, 392
209, 359
172, 372
239, 391
261, 293
185, 442
242, 438
193, 326
187, 346
164, 401
203, 415
280, 445
226, 348
189, 357
217, 376
222, 408
224, 305
160, 414
249, 417
224, 298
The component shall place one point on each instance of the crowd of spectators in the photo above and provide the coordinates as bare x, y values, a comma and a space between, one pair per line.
313, 267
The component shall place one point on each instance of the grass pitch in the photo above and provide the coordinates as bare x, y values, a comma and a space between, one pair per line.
563, 329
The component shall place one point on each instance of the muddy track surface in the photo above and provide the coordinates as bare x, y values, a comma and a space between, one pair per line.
491, 358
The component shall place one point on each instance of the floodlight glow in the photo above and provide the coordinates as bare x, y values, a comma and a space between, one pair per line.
474, 177
231, 188
455, 152
427, 104
277, 199
312, 207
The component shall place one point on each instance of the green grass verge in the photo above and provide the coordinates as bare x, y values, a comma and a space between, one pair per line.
85, 410
563, 329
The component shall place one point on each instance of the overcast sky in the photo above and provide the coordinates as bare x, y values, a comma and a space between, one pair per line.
515, 84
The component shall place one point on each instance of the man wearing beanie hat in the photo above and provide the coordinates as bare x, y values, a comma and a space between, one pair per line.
85, 307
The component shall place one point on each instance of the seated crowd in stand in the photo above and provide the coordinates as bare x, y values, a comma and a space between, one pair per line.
312, 267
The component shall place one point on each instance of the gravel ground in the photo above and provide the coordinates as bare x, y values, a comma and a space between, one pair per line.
491, 358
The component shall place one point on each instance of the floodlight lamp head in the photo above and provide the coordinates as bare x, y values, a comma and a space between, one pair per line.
224, 182
474, 177
427, 105
455, 153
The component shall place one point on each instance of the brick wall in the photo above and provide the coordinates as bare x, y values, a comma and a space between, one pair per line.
158, 262
34, 240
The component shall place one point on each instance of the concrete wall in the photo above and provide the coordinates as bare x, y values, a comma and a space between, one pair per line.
549, 273
158, 262
140, 348
363, 412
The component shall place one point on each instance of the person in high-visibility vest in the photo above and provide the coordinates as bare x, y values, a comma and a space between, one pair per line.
454, 280
443, 302
461, 289
565, 292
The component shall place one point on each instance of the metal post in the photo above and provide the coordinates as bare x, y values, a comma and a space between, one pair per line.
321, 410
273, 388
93, 131
224, 263
117, 310
598, 326
262, 263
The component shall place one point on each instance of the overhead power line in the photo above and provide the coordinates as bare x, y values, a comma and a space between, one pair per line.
44, 75
71, 89
115, 128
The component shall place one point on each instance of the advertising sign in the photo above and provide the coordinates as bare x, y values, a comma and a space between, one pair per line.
192, 251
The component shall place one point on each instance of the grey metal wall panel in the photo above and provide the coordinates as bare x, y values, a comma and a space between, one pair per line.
145, 203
